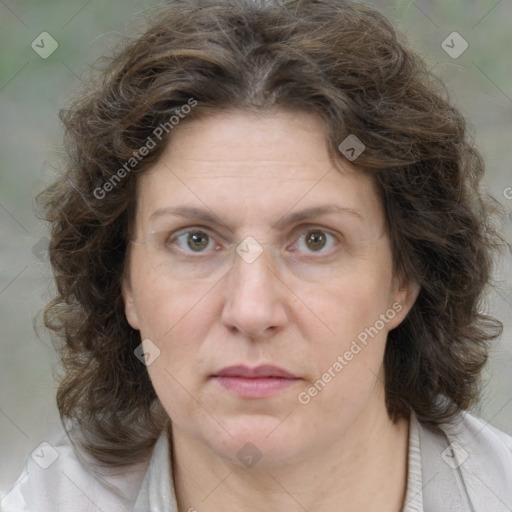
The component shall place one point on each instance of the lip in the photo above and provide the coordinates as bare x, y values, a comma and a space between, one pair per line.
264, 370
259, 382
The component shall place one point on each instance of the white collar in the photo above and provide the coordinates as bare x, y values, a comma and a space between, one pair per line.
157, 492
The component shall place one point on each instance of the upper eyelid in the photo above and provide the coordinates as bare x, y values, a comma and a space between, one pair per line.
208, 230
192, 229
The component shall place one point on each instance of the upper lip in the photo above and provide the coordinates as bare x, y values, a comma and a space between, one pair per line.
265, 370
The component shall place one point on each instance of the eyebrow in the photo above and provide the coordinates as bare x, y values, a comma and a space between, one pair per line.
207, 216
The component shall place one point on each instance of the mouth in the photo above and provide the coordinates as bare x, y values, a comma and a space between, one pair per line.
259, 382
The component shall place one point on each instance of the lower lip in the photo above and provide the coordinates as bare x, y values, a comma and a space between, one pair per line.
256, 387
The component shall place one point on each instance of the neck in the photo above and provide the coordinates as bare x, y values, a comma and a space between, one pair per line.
366, 469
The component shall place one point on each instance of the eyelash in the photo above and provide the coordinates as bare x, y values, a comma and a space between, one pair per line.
189, 231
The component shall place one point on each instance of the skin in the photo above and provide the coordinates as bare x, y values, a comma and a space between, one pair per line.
297, 306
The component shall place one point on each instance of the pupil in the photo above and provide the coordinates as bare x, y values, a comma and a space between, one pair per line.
318, 240
196, 241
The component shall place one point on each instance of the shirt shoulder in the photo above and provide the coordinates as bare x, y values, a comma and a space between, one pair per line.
54, 479
481, 432
488, 466
468, 466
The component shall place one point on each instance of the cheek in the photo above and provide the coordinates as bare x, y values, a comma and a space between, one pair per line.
348, 357
166, 305
174, 318
173, 315
352, 302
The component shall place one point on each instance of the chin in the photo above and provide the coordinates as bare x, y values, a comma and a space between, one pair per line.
259, 441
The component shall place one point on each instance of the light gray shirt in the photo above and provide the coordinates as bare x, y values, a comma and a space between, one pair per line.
466, 468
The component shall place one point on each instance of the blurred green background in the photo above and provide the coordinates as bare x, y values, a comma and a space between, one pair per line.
32, 89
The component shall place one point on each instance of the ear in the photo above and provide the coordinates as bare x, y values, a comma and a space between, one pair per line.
130, 309
403, 300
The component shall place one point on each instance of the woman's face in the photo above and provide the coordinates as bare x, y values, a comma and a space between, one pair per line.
254, 285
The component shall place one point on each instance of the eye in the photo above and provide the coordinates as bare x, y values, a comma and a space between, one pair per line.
195, 240
199, 241
315, 240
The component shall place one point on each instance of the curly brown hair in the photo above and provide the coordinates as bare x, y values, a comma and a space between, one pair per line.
335, 58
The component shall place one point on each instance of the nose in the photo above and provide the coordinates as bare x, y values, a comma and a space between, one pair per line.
255, 300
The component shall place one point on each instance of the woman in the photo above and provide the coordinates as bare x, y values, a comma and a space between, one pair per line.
270, 250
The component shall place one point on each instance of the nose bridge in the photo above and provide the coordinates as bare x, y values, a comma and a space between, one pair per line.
252, 269
253, 302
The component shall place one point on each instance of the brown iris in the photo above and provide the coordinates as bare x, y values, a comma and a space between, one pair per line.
197, 240
315, 240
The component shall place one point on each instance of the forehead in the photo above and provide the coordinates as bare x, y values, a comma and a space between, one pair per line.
254, 165
239, 135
